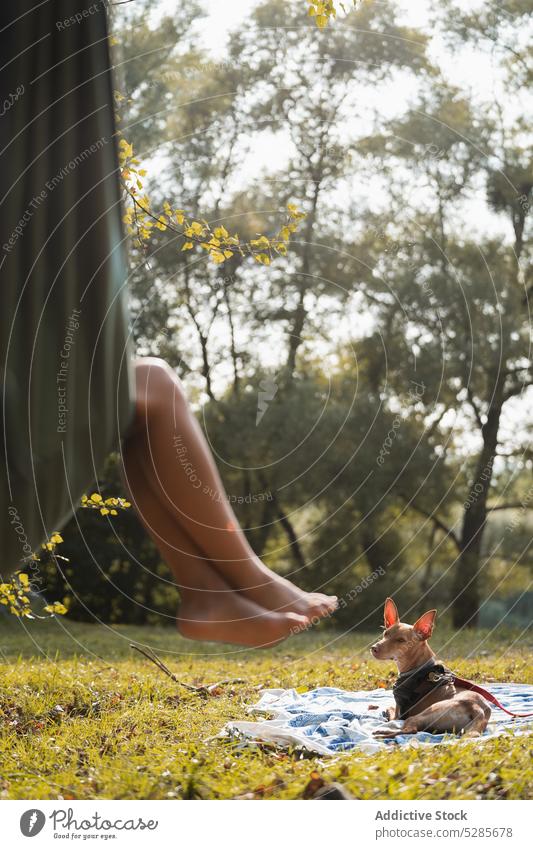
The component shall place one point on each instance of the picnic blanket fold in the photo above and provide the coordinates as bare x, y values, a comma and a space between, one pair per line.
328, 720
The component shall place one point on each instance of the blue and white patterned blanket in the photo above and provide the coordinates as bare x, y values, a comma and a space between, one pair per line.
329, 721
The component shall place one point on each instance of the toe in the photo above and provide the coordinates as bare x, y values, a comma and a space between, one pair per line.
298, 621
329, 602
321, 606
318, 611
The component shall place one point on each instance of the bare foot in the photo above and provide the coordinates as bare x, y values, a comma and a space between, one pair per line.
230, 617
276, 593
389, 733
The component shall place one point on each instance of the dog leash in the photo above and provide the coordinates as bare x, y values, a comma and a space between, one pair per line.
469, 685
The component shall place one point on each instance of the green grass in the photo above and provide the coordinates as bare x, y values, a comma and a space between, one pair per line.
82, 716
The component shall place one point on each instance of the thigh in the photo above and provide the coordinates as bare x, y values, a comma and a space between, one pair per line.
448, 715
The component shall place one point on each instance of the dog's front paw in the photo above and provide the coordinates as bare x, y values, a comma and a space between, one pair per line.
386, 733
389, 714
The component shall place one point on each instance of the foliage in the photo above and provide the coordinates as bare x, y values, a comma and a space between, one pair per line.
141, 221
16, 593
105, 506
323, 12
13, 594
113, 572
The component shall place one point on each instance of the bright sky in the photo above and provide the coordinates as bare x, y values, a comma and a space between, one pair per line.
470, 70
221, 20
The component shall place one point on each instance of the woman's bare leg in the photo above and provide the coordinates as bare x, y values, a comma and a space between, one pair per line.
177, 463
210, 609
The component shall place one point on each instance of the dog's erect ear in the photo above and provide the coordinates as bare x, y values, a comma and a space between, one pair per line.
390, 613
424, 626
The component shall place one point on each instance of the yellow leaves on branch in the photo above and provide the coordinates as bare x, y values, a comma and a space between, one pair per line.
106, 507
322, 12
56, 607
141, 221
14, 594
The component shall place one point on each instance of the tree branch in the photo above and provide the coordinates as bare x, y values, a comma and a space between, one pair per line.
442, 526
473, 404
517, 389
518, 505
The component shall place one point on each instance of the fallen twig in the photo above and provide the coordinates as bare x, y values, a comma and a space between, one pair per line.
202, 690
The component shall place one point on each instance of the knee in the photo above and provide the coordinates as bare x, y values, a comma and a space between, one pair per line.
478, 699
485, 708
477, 711
157, 383
154, 366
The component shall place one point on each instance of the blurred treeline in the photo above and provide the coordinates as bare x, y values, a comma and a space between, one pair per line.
395, 336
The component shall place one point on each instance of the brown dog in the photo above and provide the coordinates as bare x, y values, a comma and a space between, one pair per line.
425, 694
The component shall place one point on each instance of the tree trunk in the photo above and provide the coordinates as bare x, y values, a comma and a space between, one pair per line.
259, 536
300, 314
465, 604
233, 343
206, 367
374, 551
274, 507
295, 339
296, 551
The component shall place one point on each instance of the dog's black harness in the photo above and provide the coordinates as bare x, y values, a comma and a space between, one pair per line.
413, 685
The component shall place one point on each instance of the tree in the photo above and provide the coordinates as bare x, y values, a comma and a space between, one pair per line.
464, 299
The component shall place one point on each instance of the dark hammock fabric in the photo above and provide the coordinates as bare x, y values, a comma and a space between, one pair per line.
64, 349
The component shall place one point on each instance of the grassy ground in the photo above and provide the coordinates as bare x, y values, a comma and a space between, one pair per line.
82, 716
